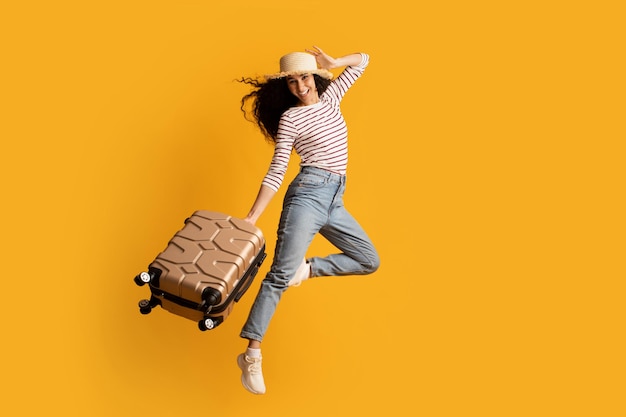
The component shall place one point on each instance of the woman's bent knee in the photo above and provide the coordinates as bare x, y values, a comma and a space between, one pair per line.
372, 265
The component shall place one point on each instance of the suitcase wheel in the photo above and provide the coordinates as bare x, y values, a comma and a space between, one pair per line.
143, 279
145, 307
211, 297
208, 323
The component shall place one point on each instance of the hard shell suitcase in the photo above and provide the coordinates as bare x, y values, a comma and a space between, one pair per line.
205, 269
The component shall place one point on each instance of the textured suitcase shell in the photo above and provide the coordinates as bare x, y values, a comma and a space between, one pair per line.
206, 267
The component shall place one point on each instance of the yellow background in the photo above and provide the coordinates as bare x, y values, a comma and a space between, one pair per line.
486, 163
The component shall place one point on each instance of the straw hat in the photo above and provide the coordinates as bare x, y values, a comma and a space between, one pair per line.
299, 63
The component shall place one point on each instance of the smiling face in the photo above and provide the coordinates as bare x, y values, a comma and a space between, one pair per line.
303, 87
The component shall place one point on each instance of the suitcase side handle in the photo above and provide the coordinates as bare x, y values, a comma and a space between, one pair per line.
251, 274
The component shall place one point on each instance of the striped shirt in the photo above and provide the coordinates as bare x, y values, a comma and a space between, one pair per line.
317, 132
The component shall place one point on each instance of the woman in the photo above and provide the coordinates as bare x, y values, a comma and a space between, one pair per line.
298, 108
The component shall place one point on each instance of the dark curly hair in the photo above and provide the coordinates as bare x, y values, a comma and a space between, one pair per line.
270, 99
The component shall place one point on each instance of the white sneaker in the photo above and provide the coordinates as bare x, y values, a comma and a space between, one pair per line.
251, 373
302, 274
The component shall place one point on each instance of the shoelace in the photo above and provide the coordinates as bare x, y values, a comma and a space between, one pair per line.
255, 366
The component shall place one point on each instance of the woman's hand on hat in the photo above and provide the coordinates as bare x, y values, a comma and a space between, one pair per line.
324, 60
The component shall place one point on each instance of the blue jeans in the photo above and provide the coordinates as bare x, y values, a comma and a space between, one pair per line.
313, 204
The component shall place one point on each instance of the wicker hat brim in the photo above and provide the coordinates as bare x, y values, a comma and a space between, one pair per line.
321, 72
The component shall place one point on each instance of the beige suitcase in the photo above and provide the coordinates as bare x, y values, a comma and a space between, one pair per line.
205, 269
